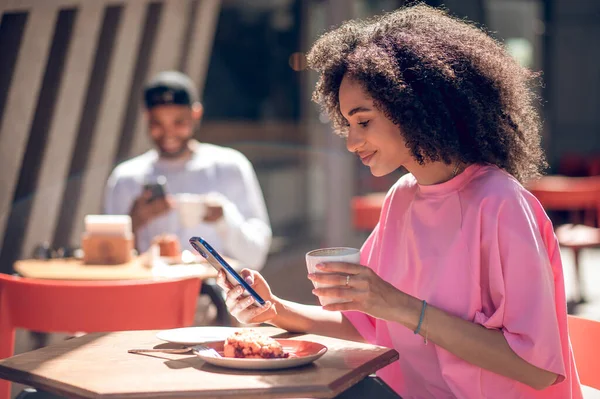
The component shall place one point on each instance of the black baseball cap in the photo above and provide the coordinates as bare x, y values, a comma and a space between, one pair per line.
170, 87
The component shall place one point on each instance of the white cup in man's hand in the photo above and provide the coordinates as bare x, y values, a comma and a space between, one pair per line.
337, 254
191, 209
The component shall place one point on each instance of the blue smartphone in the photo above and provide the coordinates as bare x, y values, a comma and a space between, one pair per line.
217, 261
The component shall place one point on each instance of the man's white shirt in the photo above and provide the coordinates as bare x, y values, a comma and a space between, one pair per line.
244, 232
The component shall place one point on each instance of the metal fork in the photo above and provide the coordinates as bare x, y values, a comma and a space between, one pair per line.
206, 351
165, 350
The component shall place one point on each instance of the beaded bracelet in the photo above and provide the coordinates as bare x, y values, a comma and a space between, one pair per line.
421, 318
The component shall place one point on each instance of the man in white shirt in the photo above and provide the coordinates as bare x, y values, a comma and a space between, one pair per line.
235, 221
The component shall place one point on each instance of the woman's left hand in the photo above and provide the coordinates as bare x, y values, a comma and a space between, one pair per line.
364, 290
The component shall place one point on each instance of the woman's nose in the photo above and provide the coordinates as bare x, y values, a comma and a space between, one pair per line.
353, 141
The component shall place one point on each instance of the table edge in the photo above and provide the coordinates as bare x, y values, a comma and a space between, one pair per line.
389, 357
39, 382
71, 391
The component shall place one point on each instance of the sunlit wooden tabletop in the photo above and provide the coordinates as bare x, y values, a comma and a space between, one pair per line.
98, 366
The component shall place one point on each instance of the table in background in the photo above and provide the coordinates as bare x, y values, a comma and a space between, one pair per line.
75, 269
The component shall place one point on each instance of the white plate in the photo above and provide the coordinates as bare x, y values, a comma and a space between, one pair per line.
196, 335
301, 353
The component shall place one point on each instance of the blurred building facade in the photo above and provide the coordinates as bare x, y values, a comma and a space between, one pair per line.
71, 73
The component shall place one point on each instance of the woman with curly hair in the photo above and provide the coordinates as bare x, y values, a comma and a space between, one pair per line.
462, 275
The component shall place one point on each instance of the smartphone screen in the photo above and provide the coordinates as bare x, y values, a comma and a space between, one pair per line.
216, 261
156, 188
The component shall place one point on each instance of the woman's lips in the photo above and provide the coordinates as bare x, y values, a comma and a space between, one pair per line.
366, 157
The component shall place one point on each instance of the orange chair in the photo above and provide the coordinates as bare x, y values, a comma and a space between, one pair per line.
91, 306
585, 341
573, 164
366, 210
572, 194
594, 166
579, 165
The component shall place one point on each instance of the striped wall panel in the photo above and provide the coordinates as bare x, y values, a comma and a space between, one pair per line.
19, 108
104, 135
70, 81
62, 130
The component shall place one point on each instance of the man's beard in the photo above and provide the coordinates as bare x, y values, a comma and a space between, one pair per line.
176, 154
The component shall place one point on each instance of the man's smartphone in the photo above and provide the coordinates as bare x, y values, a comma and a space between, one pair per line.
216, 261
156, 188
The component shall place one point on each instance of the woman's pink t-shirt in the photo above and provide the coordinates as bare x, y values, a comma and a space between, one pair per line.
480, 247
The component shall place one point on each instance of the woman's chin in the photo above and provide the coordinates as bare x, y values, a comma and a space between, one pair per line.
379, 172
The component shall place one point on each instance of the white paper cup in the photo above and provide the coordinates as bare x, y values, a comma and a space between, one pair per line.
336, 254
112, 225
191, 209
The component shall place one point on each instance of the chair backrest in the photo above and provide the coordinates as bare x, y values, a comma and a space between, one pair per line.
366, 210
94, 306
594, 166
91, 306
567, 193
574, 164
585, 341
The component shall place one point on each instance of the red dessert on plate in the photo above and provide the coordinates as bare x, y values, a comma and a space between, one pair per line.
249, 343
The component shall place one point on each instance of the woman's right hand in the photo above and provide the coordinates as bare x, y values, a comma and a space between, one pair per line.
244, 308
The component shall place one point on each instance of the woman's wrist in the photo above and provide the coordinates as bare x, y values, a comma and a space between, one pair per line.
289, 317
280, 309
408, 310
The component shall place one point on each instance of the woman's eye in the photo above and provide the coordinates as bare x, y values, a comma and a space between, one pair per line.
364, 124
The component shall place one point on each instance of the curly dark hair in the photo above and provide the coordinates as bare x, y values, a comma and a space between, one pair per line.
454, 91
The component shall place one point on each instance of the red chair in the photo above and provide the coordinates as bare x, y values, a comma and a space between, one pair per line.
579, 165
91, 306
572, 194
366, 210
585, 341
573, 164
594, 166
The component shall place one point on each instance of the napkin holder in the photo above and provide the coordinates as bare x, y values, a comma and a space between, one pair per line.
108, 240
106, 249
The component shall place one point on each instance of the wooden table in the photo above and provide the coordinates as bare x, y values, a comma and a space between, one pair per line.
98, 366
75, 269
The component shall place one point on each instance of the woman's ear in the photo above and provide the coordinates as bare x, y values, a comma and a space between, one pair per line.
197, 111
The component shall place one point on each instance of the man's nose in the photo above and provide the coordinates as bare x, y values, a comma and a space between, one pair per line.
168, 131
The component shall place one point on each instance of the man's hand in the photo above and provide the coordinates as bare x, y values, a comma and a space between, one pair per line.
214, 212
144, 210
